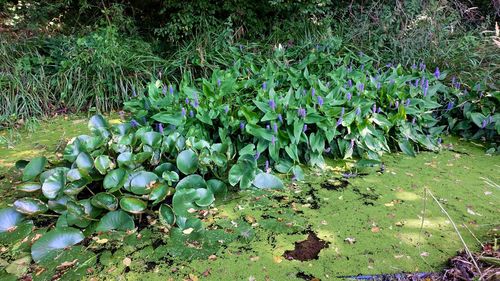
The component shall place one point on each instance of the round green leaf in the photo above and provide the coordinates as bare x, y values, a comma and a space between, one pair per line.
125, 159
160, 192
9, 219
103, 164
186, 200
84, 161
187, 162
185, 223
58, 205
152, 139
133, 205
30, 206
190, 182
143, 182
34, 168
267, 181
98, 126
167, 216
116, 220
75, 187
160, 169
105, 200
29, 187
45, 175
55, 240
218, 188
54, 184
115, 179
170, 176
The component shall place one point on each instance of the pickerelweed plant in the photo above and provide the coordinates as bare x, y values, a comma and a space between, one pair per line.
186, 144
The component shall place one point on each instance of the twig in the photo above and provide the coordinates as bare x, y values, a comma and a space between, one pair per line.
482, 246
456, 230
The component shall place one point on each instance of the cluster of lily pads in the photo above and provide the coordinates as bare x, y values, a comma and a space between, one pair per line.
121, 171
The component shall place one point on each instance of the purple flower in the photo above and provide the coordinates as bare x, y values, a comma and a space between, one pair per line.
191, 113
134, 123
226, 109
361, 87
268, 127
186, 100
164, 90
275, 127
396, 105
348, 96
378, 85
426, 88
358, 111
280, 118
171, 89
407, 102
422, 66
389, 65
453, 80
264, 86
339, 122
379, 109
183, 112
327, 150
342, 112
195, 102
160, 128
413, 66
416, 82
273, 140
242, 125
301, 112
267, 166
437, 73
272, 104
413, 121
391, 81
320, 101
305, 128
440, 140
374, 108
490, 119
218, 82
313, 92
349, 83
484, 124
449, 106
257, 155
134, 94
352, 143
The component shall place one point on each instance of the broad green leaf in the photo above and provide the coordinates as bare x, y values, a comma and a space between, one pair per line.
218, 188
187, 162
133, 205
115, 179
54, 184
142, 182
9, 219
103, 164
30, 206
186, 201
55, 240
84, 161
167, 118
115, 220
105, 200
406, 147
34, 168
267, 181
167, 216
99, 126
191, 182
243, 171
29, 187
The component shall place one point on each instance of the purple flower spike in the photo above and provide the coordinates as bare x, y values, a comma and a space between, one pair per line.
437, 73
313, 92
134, 94
275, 127
242, 125
339, 122
183, 113
160, 128
374, 108
391, 81
171, 89
320, 101
413, 121
352, 143
264, 86
422, 66
349, 83
407, 102
440, 140
280, 118
396, 105
301, 112
484, 124
195, 102
449, 106
305, 128
164, 90
226, 109
379, 85
426, 88
134, 123
413, 66
349, 96
218, 82
379, 110
267, 166
191, 113
358, 111
257, 155
273, 140
342, 112
361, 87
186, 100
272, 104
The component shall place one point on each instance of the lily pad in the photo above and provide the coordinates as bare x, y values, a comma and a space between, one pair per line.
133, 205
267, 181
116, 220
30, 206
103, 164
190, 182
218, 188
160, 192
55, 240
53, 184
186, 200
167, 216
84, 161
115, 179
34, 168
187, 162
142, 182
105, 200
9, 219
29, 187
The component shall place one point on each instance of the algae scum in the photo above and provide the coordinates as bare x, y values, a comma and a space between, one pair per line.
333, 224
